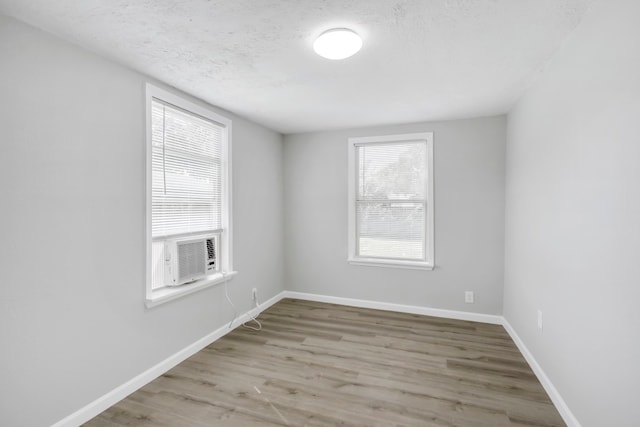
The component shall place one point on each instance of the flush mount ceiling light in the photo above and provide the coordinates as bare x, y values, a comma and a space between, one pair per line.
338, 43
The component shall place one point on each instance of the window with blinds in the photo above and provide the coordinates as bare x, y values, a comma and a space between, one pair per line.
186, 167
187, 178
391, 205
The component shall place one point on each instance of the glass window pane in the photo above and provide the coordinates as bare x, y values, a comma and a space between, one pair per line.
391, 230
393, 171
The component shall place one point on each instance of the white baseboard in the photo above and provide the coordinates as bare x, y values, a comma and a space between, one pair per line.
412, 309
114, 396
553, 393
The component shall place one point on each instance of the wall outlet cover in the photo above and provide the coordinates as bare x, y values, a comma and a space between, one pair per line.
468, 297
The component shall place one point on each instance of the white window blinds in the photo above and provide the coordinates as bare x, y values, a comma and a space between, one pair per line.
391, 200
186, 150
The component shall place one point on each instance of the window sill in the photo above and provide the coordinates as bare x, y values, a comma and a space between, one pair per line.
162, 295
375, 262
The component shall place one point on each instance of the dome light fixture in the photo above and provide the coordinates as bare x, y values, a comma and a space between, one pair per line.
337, 43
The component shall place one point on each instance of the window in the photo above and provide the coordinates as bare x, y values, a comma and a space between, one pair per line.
391, 201
187, 189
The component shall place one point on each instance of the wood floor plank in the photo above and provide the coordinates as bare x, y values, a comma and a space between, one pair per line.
316, 364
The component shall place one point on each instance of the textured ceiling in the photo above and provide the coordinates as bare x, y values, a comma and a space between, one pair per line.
421, 59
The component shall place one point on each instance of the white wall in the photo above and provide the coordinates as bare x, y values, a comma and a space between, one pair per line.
469, 219
73, 324
573, 217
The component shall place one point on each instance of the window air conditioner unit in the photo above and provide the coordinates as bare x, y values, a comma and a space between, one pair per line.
190, 259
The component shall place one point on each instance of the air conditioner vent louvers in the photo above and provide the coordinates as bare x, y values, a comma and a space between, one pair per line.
190, 258
211, 250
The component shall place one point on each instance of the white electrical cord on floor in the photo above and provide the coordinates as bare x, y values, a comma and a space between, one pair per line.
235, 310
255, 328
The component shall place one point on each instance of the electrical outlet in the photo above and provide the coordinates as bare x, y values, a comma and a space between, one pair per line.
254, 294
468, 297
540, 319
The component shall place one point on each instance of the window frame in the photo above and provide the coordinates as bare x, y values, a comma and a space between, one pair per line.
158, 296
352, 172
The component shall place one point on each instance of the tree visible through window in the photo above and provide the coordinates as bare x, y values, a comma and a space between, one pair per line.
390, 203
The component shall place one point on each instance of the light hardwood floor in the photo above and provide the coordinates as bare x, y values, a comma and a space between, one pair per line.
320, 364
